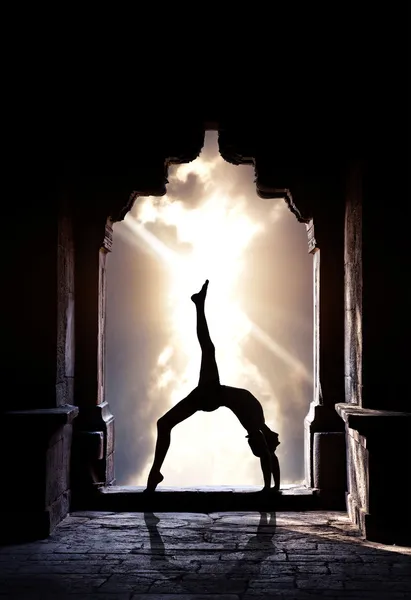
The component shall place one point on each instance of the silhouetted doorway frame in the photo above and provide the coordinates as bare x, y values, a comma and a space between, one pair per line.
95, 418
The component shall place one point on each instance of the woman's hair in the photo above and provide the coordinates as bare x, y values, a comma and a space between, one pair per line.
271, 437
257, 443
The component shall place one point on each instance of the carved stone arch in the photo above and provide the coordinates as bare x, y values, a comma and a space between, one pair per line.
273, 177
149, 174
113, 195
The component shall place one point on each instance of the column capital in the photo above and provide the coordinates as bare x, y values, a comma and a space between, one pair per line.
312, 242
108, 236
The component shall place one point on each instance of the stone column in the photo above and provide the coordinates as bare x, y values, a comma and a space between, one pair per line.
38, 337
324, 440
93, 463
376, 408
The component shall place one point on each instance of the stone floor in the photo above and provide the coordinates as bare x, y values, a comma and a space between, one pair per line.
229, 556
208, 499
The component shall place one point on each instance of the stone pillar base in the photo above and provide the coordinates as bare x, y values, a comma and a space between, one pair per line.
377, 446
323, 419
93, 454
330, 469
24, 526
37, 492
386, 529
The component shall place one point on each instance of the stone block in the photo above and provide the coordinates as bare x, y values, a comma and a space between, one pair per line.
320, 418
38, 478
93, 453
377, 442
330, 462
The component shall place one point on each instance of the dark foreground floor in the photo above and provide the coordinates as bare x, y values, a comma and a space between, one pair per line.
229, 556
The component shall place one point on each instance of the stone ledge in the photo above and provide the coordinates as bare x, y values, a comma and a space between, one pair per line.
59, 416
367, 421
377, 442
206, 499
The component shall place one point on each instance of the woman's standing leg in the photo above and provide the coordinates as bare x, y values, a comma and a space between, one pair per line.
180, 412
275, 467
265, 462
272, 443
258, 445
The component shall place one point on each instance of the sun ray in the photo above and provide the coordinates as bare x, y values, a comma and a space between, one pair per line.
276, 348
147, 240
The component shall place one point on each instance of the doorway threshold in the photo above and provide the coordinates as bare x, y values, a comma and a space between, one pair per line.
205, 499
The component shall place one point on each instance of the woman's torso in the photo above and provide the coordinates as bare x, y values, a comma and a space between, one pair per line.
241, 402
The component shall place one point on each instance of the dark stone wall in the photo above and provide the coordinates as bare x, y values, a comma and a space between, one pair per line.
37, 368
38, 352
65, 307
353, 287
30, 315
105, 146
376, 412
386, 296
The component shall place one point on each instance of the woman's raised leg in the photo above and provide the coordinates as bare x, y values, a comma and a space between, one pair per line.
190, 404
208, 370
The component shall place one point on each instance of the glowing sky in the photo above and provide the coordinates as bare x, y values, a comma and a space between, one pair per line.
211, 224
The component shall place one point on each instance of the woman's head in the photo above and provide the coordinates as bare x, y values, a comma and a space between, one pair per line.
271, 438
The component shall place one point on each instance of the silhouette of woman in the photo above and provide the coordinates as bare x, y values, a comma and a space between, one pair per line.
210, 395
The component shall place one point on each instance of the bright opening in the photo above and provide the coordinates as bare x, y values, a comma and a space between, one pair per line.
210, 225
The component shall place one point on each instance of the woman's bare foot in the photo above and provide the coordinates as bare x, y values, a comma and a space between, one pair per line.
153, 480
201, 295
271, 490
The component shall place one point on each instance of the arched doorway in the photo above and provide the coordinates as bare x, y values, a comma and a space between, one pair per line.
96, 421
211, 224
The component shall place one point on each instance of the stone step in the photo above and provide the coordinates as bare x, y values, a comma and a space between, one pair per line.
206, 499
